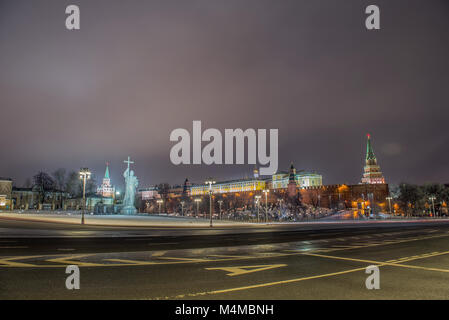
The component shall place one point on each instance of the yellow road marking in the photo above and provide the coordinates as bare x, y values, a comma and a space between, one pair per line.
228, 256
185, 259
389, 263
346, 247
267, 284
8, 262
69, 260
371, 243
237, 271
425, 255
131, 262
158, 253
379, 263
5, 262
309, 250
65, 261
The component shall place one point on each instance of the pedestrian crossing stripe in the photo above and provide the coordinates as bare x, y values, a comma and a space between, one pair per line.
237, 271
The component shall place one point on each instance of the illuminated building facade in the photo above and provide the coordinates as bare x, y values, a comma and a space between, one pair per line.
5, 193
231, 186
277, 181
148, 193
302, 179
372, 173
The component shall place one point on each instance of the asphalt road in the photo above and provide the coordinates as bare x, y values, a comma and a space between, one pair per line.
316, 261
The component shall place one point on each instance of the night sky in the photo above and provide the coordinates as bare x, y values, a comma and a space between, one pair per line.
139, 69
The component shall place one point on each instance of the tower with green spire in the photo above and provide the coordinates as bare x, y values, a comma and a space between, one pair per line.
106, 173
372, 173
106, 189
292, 187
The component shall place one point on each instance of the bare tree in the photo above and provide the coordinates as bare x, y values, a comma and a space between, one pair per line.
44, 184
73, 184
28, 183
59, 177
163, 189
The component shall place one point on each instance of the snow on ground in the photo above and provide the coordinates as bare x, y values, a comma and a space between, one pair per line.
116, 220
145, 220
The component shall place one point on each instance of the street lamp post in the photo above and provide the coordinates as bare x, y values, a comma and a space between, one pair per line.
160, 202
182, 208
84, 175
433, 198
409, 205
220, 202
280, 205
210, 182
266, 191
319, 203
197, 200
258, 206
389, 203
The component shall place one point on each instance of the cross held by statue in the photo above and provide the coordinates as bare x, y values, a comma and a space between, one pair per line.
128, 162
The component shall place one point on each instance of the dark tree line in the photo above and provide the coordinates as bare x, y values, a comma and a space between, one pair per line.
61, 181
232, 204
416, 199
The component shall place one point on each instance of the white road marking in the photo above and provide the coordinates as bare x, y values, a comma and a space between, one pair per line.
14, 247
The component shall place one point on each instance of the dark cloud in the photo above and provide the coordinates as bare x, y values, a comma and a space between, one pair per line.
136, 71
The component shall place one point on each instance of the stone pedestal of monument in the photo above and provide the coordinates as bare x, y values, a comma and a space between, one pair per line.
128, 210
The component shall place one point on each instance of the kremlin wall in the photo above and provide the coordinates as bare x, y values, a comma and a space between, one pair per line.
294, 187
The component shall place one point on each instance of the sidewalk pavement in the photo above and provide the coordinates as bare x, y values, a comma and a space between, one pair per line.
142, 220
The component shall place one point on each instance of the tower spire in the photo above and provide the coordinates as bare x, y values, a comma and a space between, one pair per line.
291, 187
106, 173
369, 149
106, 189
292, 173
372, 173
